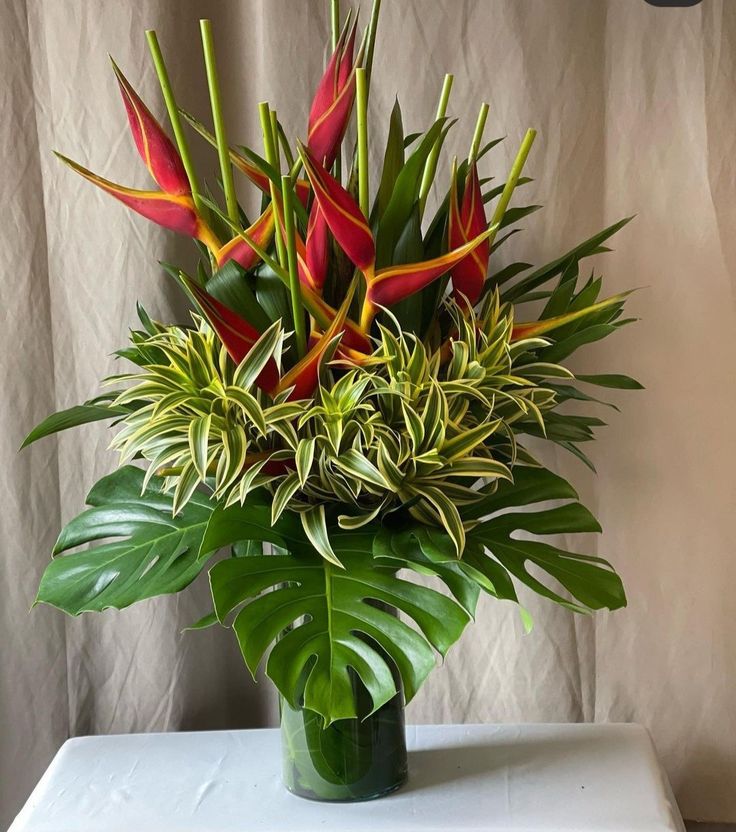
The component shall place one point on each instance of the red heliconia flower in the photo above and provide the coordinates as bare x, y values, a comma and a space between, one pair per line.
465, 223
317, 248
394, 283
155, 147
310, 281
173, 211
260, 180
333, 100
304, 376
353, 234
341, 213
173, 206
236, 334
261, 232
353, 337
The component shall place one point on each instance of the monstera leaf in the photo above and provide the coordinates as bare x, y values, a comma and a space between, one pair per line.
494, 556
328, 622
430, 552
146, 551
495, 552
326, 625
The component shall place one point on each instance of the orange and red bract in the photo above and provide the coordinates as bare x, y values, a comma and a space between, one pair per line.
308, 281
311, 287
154, 146
236, 334
261, 181
237, 249
346, 64
333, 100
350, 228
306, 278
173, 211
311, 282
342, 214
304, 376
352, 335
173, 206
317, 248
394, 283
466, 223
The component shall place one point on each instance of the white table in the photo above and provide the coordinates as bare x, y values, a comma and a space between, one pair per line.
486, 778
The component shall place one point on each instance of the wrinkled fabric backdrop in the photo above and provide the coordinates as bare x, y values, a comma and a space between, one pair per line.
636, 109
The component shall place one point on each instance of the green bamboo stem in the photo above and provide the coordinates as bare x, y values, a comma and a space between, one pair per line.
361, 100
430, 168
295, 165
513, 178
297, 306
283, 143
296, 169
275, 138
264, 111
480, 126
223, 149
173, 111
372, 29
335, 22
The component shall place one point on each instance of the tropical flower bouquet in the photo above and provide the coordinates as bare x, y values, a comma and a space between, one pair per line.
347, 411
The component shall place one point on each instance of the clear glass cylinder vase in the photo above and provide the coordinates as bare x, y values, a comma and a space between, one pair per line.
350, 760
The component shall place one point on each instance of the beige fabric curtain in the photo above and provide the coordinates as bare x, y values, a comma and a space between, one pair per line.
636, 108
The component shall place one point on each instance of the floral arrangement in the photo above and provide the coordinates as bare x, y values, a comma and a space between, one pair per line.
349, 407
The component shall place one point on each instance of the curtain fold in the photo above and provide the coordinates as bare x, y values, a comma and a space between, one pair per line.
635, 107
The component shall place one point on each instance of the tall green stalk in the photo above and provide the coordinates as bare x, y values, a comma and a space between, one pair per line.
174, 117
297, 306
480, 126
430, 167
269, 149
361, 101
275, 138
372, 29
335, 23
223, 149
513, 178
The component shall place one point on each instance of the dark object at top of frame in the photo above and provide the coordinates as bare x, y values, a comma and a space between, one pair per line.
673, 3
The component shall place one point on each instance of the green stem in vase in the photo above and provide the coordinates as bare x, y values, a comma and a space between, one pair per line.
372, 29
361, 95
512, 180
480, 126
430, 167
264, 111
297, 306
223, 149
174, 117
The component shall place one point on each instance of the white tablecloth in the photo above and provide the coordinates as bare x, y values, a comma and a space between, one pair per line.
486, 778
